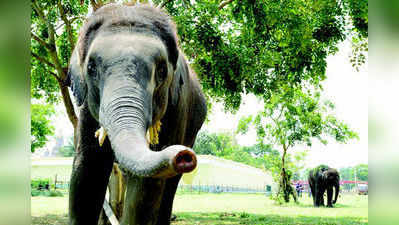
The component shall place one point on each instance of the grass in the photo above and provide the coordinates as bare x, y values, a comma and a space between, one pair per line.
216, 209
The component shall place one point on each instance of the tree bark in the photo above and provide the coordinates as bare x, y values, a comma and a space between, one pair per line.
69, 105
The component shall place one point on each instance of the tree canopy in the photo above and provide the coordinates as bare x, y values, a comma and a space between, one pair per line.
235, 47
251, 46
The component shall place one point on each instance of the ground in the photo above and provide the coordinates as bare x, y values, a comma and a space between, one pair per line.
217, 209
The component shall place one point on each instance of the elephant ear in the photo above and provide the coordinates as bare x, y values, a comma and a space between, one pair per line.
77, 81
178, 79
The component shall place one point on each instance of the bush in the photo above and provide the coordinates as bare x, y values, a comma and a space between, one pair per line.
37, 183
54, 194
35, 192
244, 215
46, 193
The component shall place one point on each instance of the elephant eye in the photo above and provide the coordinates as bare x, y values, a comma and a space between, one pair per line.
91, 68
161, 72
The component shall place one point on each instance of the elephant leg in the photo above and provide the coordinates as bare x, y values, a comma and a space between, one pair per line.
91, 169
321, 195
329, 196
142, 200
313, 192
317, 195
167, 200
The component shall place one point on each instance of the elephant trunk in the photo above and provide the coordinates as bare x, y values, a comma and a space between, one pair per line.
336, 192
124, 112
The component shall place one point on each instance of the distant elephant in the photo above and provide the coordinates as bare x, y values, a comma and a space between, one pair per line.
137, 94
320, 179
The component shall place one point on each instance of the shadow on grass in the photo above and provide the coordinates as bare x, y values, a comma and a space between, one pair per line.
247, 219
305, 205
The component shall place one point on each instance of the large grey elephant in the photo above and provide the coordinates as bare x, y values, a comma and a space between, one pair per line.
136, 92
321, 179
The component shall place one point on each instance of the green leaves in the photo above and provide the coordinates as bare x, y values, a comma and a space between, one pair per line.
224, 145
40, 125
256, 46
244, 124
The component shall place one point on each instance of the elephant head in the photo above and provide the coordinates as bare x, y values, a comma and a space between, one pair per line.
330, 177
122, 68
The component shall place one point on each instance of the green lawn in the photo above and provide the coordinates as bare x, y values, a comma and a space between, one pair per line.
215, 209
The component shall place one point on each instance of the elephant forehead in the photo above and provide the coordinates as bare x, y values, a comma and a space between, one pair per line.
141, 45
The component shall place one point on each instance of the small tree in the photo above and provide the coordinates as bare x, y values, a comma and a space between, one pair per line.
293, 117
40, 125
214, 143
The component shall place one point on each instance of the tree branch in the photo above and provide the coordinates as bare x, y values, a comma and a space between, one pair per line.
38, 10
43, 60
165, 2
68, 105
224, 3
62, 74
67, 25
71, 21
41, 41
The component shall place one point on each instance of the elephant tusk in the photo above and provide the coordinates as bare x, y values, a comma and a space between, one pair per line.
101, 134
147, 136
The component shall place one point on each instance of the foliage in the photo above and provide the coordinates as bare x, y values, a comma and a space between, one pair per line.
36, 183
40, 125
51, 193
260, 155
296, 116
68, 150
235, 47
358, 11
255, 46
54, 28
348, 173
213, 143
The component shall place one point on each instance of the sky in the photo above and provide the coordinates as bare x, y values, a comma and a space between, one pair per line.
344, 86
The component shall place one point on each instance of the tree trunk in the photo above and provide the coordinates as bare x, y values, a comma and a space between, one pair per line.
285, 186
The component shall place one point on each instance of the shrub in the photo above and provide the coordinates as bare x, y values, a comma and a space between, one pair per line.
36, 183
54, 194
35, 192
244, 215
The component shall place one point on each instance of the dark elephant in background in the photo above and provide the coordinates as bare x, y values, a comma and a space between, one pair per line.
320, 179
136, 91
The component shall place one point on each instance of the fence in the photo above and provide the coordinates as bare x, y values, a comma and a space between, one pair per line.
58, 182
223, 188
346, 186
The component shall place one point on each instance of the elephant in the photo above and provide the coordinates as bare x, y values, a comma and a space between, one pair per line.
320, 179
137, 94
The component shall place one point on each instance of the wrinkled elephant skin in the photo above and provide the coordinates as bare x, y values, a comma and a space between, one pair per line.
138, 96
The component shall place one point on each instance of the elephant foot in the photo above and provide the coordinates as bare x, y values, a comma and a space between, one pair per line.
329, 206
